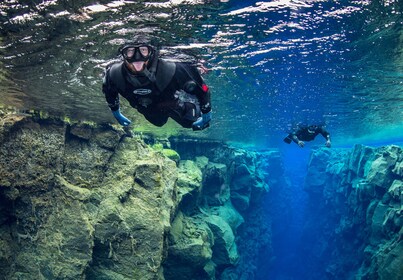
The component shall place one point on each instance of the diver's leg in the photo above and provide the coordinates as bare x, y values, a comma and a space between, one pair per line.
154, 116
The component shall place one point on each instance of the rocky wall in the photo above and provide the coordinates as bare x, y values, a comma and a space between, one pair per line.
79, 201
227, 206
354, 224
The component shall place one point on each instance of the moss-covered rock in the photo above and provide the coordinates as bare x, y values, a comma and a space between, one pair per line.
83, 205
171, 154
190, 249
81, 201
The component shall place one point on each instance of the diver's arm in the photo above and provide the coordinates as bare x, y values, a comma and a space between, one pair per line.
203, 95
294, 138
111, 93
190, 80
326, 135
112, 98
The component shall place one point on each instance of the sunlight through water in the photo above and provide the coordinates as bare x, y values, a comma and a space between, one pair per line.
273, 63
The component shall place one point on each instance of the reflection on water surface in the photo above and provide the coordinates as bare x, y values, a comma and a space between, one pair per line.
274, 63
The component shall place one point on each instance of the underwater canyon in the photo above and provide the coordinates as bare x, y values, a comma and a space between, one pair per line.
81, 201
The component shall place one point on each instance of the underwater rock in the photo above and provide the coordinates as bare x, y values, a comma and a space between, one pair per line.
317, 167
378, 218
87, 202
189, 185
358, 159
78, 211
169, 153
248, 182
215, 188
83, 131
243, 179
389, 261
210, 204
225, 250
382, 166
396, 191
241, 202
190, 249
356, 203
31, 155
201, 162
365, 190
230, 215
398, 170
72, 191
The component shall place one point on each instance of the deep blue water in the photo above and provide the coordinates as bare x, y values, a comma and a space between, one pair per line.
273, 64
287, 207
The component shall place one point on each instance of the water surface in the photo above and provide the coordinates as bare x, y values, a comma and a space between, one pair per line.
273, 63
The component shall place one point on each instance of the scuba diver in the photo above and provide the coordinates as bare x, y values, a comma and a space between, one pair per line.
307, 133
157, 88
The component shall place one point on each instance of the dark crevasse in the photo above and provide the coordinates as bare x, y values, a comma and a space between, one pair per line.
287, 207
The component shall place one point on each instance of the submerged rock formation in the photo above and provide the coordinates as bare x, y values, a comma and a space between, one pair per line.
235, 231
85, 202
77, 203
354, 225
88, 202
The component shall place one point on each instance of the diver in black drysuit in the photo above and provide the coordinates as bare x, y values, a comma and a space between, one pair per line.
307, 133
157, 88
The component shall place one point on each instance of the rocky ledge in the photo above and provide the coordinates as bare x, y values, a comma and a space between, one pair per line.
86, 202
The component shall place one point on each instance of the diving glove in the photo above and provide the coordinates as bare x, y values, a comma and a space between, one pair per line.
202, 122
120, 118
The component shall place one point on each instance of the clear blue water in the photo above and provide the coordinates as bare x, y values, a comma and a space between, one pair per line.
273, 64
287, 207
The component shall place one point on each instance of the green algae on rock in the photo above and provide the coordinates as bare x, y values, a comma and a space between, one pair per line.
81, 201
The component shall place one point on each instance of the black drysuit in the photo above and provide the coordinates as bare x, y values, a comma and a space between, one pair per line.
173, 89
302, 134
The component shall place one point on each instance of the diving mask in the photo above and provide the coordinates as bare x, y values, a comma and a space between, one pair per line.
132, 53
312, 128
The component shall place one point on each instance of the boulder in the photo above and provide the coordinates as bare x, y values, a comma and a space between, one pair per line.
190, 248
225, 249
188, 185
380, 173
378, 219
215, 186
396, 191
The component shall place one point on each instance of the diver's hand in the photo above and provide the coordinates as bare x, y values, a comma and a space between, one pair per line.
301, 144
328, 144
120, 118
202, 122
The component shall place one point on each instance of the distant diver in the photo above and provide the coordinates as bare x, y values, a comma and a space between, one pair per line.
157, 88
307, 133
